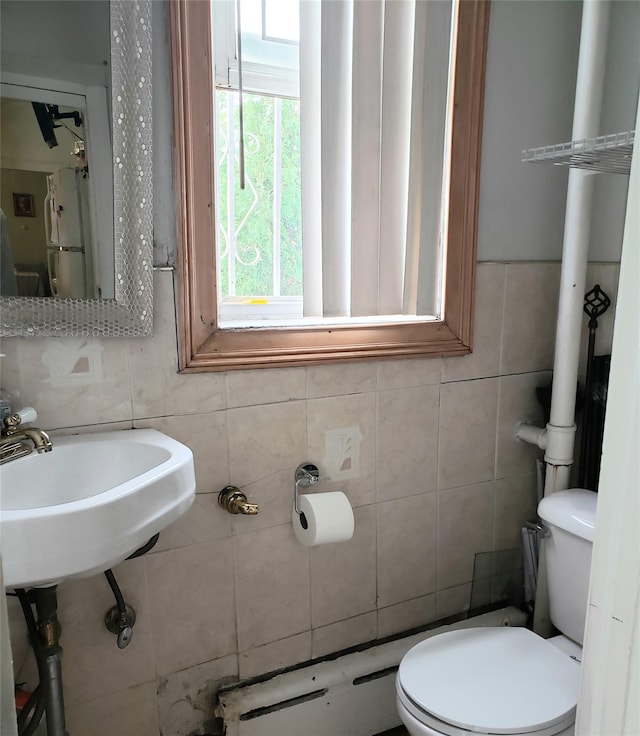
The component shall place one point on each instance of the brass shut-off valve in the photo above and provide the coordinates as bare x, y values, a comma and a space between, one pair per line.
234, 501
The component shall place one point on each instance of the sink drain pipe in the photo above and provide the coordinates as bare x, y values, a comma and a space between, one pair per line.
28, 721
46, 600
44, 635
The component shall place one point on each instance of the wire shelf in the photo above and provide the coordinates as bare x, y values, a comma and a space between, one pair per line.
607, 153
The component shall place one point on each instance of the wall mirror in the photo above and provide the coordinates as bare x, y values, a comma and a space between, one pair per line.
76, 168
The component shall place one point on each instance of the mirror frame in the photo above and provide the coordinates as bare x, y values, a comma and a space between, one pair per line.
131, 312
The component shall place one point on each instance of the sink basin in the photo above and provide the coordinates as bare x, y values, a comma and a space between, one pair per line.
89, 503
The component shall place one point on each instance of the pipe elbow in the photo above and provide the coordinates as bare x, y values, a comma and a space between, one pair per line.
531, 434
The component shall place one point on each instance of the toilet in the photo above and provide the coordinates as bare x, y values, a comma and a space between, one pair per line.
508, 680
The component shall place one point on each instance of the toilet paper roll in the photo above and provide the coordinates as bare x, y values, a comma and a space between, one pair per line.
325, 518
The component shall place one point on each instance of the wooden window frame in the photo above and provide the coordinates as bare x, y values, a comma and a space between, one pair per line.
204, 347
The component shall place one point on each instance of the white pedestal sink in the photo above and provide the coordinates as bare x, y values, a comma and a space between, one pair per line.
89, 503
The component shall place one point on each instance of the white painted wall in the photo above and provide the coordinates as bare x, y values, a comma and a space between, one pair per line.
610, 694
618, 114
72, 34
531, 70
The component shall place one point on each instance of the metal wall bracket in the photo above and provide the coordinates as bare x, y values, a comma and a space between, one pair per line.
306, 475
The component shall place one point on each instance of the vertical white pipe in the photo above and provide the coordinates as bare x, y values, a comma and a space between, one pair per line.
588, 104
561, 428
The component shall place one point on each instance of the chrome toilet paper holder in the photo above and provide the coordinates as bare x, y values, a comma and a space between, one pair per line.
306, 475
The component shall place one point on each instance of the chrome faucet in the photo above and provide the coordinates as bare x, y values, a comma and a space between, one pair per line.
15, 439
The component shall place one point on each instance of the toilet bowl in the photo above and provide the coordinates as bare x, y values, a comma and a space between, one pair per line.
489, 681
509, 680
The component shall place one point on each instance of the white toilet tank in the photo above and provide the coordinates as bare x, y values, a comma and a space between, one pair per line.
570, 516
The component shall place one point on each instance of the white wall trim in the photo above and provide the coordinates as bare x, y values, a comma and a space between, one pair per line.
610, 691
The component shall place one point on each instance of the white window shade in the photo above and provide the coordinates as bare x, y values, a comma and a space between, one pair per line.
373, 92
395, 152
429, 180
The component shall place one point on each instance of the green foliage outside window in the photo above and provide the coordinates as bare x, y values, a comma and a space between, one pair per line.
254, 244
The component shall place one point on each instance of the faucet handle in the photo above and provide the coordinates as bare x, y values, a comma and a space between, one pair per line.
27, 414
22, 416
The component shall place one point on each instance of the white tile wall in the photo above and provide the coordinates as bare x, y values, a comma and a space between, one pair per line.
407, 448
275, 655
129, 712
192, 606
406, 615
467, 436
529, 317
344, 634
441, 478
343, 578
273, 597
465, 526
407, 536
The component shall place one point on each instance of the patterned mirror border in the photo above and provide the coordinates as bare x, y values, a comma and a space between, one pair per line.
131, 313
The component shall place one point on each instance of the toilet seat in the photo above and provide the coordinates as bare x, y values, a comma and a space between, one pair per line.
489, 681
419, 722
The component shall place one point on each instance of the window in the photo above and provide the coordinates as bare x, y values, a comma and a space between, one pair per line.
258, 225
204, 343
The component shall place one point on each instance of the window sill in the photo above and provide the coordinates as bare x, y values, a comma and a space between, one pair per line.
278, 312
233, 349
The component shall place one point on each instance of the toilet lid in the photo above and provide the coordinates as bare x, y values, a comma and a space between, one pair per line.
492, 680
